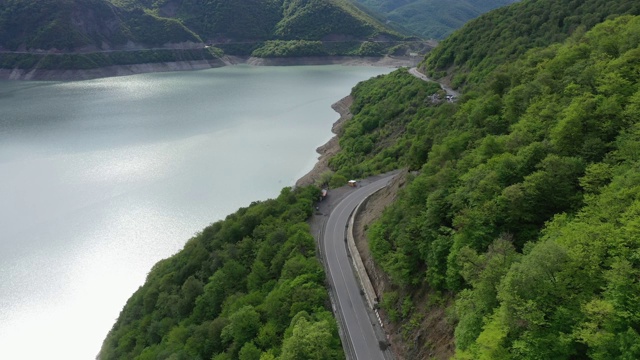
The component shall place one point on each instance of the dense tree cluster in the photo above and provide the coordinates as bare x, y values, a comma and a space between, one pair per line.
249, 287
377, 138
73, 24
263, 28
525, 205
503, 35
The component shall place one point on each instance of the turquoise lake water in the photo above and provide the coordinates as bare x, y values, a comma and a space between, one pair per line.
100, 179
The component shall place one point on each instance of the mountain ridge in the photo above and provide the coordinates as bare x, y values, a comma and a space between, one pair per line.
432, 18
89, 34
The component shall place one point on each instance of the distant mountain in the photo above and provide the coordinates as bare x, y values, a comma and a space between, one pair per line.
83, 24
501, 36
89, 34
72, 25
433, 18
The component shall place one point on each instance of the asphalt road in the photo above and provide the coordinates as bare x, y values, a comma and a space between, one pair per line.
351, 305
421, 76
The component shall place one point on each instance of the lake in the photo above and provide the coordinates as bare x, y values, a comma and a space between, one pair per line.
100, 179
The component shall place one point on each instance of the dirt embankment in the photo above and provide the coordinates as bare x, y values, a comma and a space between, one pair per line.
123, 70
326, 151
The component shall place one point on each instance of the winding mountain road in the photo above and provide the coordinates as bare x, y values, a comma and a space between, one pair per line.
359, 329
414, 71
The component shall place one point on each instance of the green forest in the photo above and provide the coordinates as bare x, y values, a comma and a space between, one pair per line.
249, 287
69, 25
524, 207
503, 35
518, 224
432, 18
86, 34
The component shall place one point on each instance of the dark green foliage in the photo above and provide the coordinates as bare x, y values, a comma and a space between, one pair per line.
507, 33
85, 34
281, 48
244, 287
72, 24
295, 48
526, 202
432, 18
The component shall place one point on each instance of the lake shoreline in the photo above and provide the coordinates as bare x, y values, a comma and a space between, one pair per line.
331, 147
125, 70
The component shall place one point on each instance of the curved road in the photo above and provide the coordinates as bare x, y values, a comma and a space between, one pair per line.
414, 71
351, 306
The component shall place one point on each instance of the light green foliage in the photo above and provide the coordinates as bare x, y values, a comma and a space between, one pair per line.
389, 305
509, 32
310, 340
383, 108
243, 326
249, 352
525, 206
282, 48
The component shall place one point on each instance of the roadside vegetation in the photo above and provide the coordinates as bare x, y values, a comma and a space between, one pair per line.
524, 206
503, 35
518, 224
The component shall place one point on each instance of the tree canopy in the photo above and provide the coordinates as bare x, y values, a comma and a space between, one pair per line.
523, 204
247, 288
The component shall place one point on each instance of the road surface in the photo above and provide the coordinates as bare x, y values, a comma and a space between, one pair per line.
414, 71
357, 325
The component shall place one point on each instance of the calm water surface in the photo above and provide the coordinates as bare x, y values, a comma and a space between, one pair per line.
101, 179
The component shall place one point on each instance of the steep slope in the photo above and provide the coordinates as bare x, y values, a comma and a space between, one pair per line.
35, 34
431, 18
218, 19
247, 20
507, 33
248, 287
518, 227
521, 221
70, 25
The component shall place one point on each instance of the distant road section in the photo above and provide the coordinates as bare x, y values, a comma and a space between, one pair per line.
414, 71
357, 325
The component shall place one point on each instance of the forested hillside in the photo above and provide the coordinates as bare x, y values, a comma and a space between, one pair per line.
73, 24
432, 18
523, 214
249, 287
58, 34
518, 227
471, 53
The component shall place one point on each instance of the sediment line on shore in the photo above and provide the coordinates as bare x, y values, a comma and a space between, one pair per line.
331, 147
124, 70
